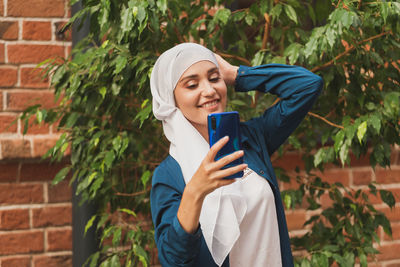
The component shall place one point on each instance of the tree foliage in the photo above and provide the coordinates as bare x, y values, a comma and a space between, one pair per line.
104, 109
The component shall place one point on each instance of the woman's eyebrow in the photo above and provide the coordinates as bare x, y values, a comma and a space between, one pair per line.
193, 76
212, 70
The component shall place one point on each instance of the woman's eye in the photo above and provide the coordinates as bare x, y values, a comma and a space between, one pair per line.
214, 79
191, 85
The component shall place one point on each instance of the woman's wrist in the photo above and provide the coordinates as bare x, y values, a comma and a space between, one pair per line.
232, 74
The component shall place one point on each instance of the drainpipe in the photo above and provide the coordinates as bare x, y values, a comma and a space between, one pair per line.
83, 245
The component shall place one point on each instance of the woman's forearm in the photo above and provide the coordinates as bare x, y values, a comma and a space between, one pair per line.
189, 209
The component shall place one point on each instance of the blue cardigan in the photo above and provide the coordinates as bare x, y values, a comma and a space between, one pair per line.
297, 88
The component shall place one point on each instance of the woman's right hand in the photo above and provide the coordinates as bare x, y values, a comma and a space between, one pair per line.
210, 175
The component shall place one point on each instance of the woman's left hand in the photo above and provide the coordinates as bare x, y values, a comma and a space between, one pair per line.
227, 70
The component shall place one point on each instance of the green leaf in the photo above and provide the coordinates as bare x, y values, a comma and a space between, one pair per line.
103, 91
61, 175
387, 197
141, 254
291, 13
128, 211
384, 10
375, 122
162, 5
222, 15
288, 201
250, 18
117, 237
363, 260
90, 223
109, 158
145, 177
120, 63
126, 20
361, 130
58, 74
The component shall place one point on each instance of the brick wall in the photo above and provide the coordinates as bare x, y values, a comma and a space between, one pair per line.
35, 217
356, 177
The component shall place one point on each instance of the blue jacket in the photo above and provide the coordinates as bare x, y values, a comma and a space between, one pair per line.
297, 88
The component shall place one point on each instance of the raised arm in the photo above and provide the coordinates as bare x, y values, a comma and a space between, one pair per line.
297, 89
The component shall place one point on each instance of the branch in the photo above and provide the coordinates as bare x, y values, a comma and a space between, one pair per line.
348, 50
266, 31
132, 194
325, 120
235, 57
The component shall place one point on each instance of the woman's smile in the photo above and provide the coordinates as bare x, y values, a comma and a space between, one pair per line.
199, 92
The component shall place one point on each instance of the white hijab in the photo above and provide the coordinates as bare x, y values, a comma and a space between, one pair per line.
224, 209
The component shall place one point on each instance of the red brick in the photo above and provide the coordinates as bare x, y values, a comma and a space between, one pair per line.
8, 171
326, 201
61, 192
21, 100
53, 261
15, 148
21, 242
60, 239
1, 99
2, 51
388, 252
1, 8
14, 219
42, 145
39, 171
52, 216
362, 177
69, 50
398, 154
36, 30
289, 161
335, 175
8, 30
23, 53
35, 128
6, 123
21, 194
35, 8
32, 78
387, 176
359, 162
393, 264
295, 219
24, 261
8, 76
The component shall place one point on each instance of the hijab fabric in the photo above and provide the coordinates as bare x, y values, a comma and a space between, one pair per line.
223, 209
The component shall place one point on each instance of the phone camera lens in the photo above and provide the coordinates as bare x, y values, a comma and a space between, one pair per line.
213, 123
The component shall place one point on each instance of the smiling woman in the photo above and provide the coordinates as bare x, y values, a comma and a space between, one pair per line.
199, 92
201, 218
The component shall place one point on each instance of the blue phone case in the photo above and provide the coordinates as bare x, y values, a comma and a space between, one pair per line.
221, 125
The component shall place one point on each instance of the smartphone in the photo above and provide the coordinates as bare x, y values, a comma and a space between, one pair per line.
223, 124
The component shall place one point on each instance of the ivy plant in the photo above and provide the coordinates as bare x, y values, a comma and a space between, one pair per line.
104, 110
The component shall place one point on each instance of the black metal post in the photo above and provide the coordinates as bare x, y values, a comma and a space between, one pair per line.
83, 245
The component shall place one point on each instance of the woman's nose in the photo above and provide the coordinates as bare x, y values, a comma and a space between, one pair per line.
208, 89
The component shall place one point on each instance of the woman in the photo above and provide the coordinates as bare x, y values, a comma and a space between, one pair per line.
200, 218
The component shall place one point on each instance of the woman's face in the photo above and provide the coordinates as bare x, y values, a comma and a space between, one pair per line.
199, 92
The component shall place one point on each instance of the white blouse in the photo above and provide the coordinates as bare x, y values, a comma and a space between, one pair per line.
258, 244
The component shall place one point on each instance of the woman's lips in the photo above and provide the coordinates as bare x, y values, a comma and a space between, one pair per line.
211, 105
